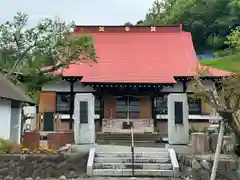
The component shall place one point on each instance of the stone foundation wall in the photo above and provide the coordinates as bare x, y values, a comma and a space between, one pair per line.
200, 166
42, 166
140, 125
205, 143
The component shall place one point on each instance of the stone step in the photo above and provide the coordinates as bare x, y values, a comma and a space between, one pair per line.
129, 135
162, 166
124, 141
128, 143
129, 160
128, 172
129, 132
163, 154
128, 138
136, 134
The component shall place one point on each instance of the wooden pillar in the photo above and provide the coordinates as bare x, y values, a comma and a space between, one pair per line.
145, 107
109, 106
71, 80
47, 103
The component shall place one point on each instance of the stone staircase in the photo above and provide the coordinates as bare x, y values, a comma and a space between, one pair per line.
162, 163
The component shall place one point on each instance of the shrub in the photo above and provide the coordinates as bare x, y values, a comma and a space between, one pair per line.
196, 128
7, 146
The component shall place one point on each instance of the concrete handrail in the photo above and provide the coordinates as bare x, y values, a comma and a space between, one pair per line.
90, 162
174, 161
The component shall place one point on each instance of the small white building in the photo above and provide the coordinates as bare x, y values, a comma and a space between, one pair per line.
11, 100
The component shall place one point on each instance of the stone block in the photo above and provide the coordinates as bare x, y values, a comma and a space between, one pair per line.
178, 132
199, 143
228, 144
179, 149
213, 141
84, 131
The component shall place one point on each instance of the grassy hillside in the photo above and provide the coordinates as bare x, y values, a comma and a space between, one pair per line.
229, 63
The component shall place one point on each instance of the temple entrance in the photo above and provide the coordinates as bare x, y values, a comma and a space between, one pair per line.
125, 110
128, 107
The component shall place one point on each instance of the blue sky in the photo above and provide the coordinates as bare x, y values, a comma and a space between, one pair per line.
83, 12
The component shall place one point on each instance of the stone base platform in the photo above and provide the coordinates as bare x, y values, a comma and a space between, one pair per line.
179, 149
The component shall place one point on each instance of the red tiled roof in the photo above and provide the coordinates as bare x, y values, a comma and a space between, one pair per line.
139, 55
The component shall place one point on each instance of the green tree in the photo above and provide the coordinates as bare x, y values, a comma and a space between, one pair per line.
208, 20
233, 39
140, 22
224, 97
26, 51
128, 23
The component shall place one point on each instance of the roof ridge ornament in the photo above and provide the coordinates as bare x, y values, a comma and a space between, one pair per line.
101, 29
153, 28
127, 28
132, 29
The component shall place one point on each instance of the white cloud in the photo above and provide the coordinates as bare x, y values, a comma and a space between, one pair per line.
106, 12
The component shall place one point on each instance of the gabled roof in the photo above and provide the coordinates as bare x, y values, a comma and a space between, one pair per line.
9, 90
139, 54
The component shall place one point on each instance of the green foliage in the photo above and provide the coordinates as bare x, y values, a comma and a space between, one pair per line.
229, 63
196, 129
224, 97
226, 52
228, 59
207, 20
233, 39
128, 24
5, 146
140, 22
26, 51
215, 41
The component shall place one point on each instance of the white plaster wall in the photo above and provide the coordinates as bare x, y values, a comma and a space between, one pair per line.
31, 112
5, 114
207, 83
15, 124
178, 87
63, 86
